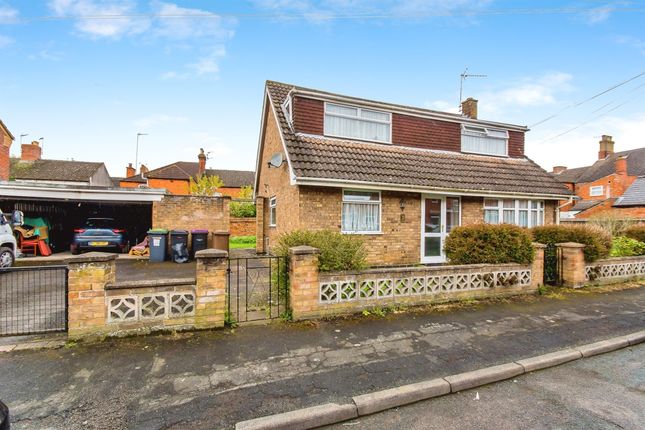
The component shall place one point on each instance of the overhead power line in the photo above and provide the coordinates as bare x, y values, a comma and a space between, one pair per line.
595, 96
325, 15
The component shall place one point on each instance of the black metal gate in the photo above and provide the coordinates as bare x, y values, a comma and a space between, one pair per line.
552, 265
33, 300
257, 289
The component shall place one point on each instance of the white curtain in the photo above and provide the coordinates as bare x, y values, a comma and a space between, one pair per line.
360, 217
483, 144
356, 128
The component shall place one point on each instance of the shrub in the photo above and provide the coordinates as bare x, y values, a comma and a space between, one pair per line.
243, 209
636, 231
627, 247
337, 251
596, 239
489, 244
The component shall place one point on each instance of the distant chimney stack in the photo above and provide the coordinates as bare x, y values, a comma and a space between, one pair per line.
469, 108
143, 169
202, 161
30, 151
559, 169
606, 147
621, 165
130, 171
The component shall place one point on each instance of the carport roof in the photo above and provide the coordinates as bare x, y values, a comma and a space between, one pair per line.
79, 193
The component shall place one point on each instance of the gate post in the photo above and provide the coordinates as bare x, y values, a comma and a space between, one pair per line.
260, 242
86, 279
210, 290
572, 264
303, 281
537, 267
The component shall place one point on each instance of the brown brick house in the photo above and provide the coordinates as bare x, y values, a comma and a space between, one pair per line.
400, 176
611, 186
175, 177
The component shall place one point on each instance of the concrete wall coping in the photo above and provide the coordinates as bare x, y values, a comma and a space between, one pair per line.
570, 245
150, 283
211, 253
91, 257
538, 245
303, 250
421, 268
617, 260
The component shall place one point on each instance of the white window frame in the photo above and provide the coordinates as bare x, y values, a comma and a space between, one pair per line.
499, 207
358, 118
487, 131
287, 109
273, 211
601, 188
380, 211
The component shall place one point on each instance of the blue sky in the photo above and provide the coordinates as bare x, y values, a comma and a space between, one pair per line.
88, 85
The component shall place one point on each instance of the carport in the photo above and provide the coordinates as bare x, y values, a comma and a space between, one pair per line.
66, 207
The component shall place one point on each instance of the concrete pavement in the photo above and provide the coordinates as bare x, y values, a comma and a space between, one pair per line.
214, 379
602, 392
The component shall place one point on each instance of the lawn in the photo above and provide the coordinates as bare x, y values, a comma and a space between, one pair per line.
241, 242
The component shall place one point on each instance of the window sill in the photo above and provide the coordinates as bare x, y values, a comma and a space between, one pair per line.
363, 233
485, 153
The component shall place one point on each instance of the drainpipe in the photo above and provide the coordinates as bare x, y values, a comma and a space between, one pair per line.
557, 210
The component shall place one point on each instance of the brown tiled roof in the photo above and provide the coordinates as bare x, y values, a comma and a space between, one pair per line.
53, 170
351, 161
233, 178
583, 205
184, 170
605, 167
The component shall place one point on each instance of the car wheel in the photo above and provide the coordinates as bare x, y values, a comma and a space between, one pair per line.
75, 251
6, 257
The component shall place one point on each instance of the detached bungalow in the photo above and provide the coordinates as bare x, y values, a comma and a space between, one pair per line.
402, 177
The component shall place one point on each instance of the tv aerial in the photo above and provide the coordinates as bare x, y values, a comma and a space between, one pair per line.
463, 77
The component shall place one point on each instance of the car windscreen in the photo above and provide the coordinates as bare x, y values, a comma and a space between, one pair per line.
99, 223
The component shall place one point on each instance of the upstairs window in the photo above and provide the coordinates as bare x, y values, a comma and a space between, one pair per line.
596, 191
483, 140
357, 123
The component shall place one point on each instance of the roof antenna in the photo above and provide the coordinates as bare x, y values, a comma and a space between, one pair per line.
463, 77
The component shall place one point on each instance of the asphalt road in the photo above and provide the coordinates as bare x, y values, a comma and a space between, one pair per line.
602, 392
214, 379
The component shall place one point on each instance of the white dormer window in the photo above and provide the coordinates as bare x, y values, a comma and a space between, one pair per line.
484, 140
288, 111
357, 123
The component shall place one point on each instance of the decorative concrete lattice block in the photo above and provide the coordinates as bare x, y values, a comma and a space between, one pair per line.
122, 309
348, 291
402, 287
153, 306
614, 270
384, 288
417, 286
367, 289
329, 292
150, 306
181, 304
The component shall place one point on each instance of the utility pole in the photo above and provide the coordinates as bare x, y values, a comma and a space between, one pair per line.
463, 77
136, 157
23, 135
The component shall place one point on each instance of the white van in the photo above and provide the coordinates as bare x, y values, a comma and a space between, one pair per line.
8, 245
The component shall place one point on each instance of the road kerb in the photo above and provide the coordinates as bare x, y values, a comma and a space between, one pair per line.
635, 338
387, 399
603, 346
476, 378
549, 360
302, 419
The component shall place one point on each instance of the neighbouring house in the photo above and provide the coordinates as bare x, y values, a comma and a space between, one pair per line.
6, 139
175, 177
401, 177
613, 185
31, 168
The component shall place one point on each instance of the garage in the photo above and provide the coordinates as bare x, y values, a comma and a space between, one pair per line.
63, 208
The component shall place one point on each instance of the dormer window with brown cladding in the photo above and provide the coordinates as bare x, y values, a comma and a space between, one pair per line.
353, 122
484, 140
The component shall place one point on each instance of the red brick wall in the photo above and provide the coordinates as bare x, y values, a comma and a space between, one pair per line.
407, 130
242, 226
4, 162
308, 115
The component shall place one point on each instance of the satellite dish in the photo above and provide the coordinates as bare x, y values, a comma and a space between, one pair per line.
276, 160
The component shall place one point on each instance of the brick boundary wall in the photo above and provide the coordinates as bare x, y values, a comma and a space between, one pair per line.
243, 226
306, 284
98, 306
615, 269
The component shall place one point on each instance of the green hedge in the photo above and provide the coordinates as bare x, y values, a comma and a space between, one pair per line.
598, 240
243, 209
627, 247
337, 251
635, 232
489, 244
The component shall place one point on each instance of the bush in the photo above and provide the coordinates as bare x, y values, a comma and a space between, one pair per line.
337, 251
635, 232
489, 244
598, 240
627, 247
242, 209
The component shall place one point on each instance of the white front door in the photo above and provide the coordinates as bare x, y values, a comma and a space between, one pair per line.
439, 215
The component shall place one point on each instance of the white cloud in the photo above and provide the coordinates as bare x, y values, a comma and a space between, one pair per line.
8, 15
157, 119
634, 42
102, 18
208, 65
46, 55
198, 24
5, 41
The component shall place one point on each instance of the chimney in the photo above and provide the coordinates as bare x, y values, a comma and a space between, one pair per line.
130, 171
469, 108
606, 147
30, 151
5, 145
143, 170
559, 169
621, 165
619, 184
202, 162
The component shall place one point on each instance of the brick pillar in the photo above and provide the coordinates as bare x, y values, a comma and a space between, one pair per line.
259, 226
87, 308
303, 281
537, 268
573, 264
210, 291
